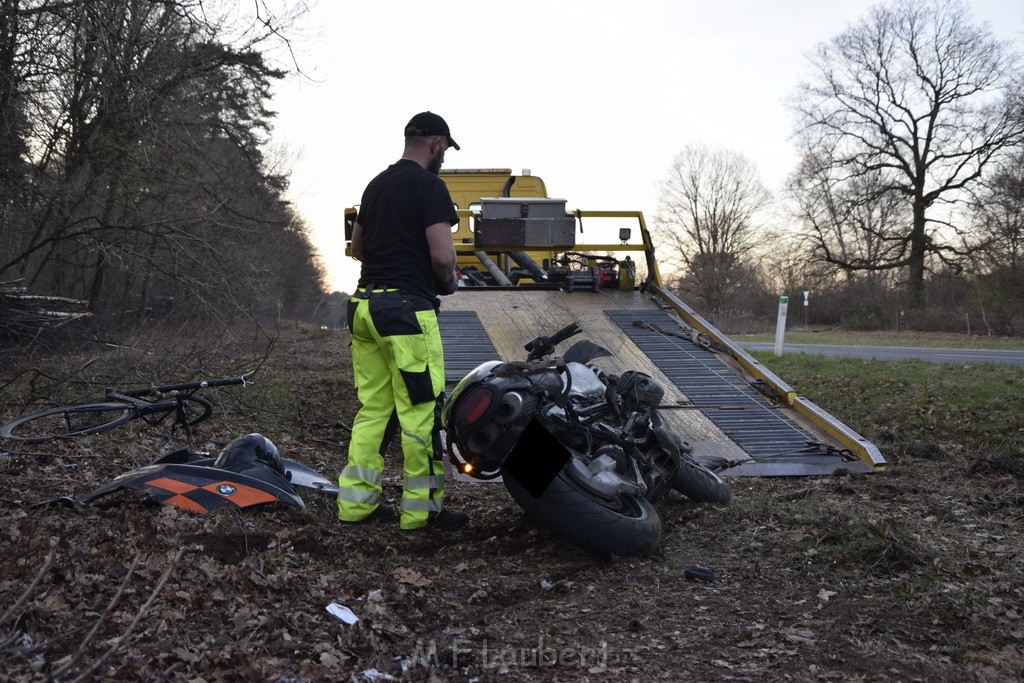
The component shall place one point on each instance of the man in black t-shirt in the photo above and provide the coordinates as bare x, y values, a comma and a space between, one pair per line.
403, 238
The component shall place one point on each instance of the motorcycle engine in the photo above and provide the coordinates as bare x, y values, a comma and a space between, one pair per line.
638, 392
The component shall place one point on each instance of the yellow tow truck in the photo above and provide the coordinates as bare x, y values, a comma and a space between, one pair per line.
528, 265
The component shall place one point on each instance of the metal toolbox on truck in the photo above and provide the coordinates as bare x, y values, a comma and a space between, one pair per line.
524, 222
521, 207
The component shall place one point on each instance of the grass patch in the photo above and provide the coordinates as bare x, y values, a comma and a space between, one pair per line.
913, 402
945, 340
824, 526
886, 547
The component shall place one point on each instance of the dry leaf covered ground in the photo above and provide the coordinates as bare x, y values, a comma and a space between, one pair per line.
908, 575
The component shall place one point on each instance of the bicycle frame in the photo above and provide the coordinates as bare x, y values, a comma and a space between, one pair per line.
139, 398
121, 406
171, 390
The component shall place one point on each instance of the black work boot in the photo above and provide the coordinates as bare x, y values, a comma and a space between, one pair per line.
381, 513
448, 520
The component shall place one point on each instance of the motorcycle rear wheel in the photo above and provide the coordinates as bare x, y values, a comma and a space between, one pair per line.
700, 484
631, 527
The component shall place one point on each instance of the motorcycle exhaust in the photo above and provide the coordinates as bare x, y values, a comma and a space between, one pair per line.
512, 405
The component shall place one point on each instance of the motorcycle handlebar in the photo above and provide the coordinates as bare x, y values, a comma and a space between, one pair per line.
564, 333
543, 345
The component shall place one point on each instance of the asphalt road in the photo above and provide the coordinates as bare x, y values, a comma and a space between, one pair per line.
958, 356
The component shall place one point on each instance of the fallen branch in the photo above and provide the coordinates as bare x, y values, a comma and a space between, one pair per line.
87, 674
63, 314
17, 296
27, 315
106, 612
31, 587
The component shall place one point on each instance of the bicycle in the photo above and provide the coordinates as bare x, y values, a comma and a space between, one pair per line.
153, 405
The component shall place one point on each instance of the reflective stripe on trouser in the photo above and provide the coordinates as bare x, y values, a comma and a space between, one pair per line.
398, 368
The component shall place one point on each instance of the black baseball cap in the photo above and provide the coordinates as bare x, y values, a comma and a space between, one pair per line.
428, 123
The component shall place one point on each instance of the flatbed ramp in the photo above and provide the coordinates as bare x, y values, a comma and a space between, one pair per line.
715, 397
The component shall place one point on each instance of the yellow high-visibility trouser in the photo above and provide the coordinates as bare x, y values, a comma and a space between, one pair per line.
398, 368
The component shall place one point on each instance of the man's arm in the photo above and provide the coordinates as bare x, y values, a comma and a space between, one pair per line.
357, 242
442, 250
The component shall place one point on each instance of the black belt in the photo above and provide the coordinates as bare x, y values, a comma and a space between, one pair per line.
418, 301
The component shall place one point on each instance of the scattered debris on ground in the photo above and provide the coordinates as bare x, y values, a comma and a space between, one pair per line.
908, 575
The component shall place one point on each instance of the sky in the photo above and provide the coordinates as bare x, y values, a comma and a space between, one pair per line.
594, 96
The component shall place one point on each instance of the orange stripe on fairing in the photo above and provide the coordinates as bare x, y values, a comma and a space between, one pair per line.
172, 485
243, 495
186, 503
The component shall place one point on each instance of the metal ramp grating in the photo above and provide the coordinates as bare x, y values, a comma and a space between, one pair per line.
465, 341
735, 407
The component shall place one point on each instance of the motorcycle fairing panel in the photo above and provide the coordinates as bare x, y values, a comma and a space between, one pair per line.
188, 481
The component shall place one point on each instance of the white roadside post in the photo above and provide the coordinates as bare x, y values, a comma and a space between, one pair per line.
807, 295
780, 325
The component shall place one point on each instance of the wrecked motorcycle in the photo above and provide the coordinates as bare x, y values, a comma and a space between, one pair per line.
582, 451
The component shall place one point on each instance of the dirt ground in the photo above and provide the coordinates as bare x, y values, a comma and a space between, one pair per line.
908, 575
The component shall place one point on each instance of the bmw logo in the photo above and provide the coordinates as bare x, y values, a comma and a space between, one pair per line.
226, 490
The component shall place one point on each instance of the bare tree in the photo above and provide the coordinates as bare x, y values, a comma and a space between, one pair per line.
709, 218
846, 224
999, 213
998, 282
134, 131
914, 100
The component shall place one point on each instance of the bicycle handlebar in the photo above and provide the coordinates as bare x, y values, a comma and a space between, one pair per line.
187, 386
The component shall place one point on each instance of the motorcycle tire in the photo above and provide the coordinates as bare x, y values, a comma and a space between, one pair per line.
633, 528
700, 484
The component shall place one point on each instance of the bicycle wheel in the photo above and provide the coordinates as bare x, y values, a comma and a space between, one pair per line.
196, 409
67, 422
